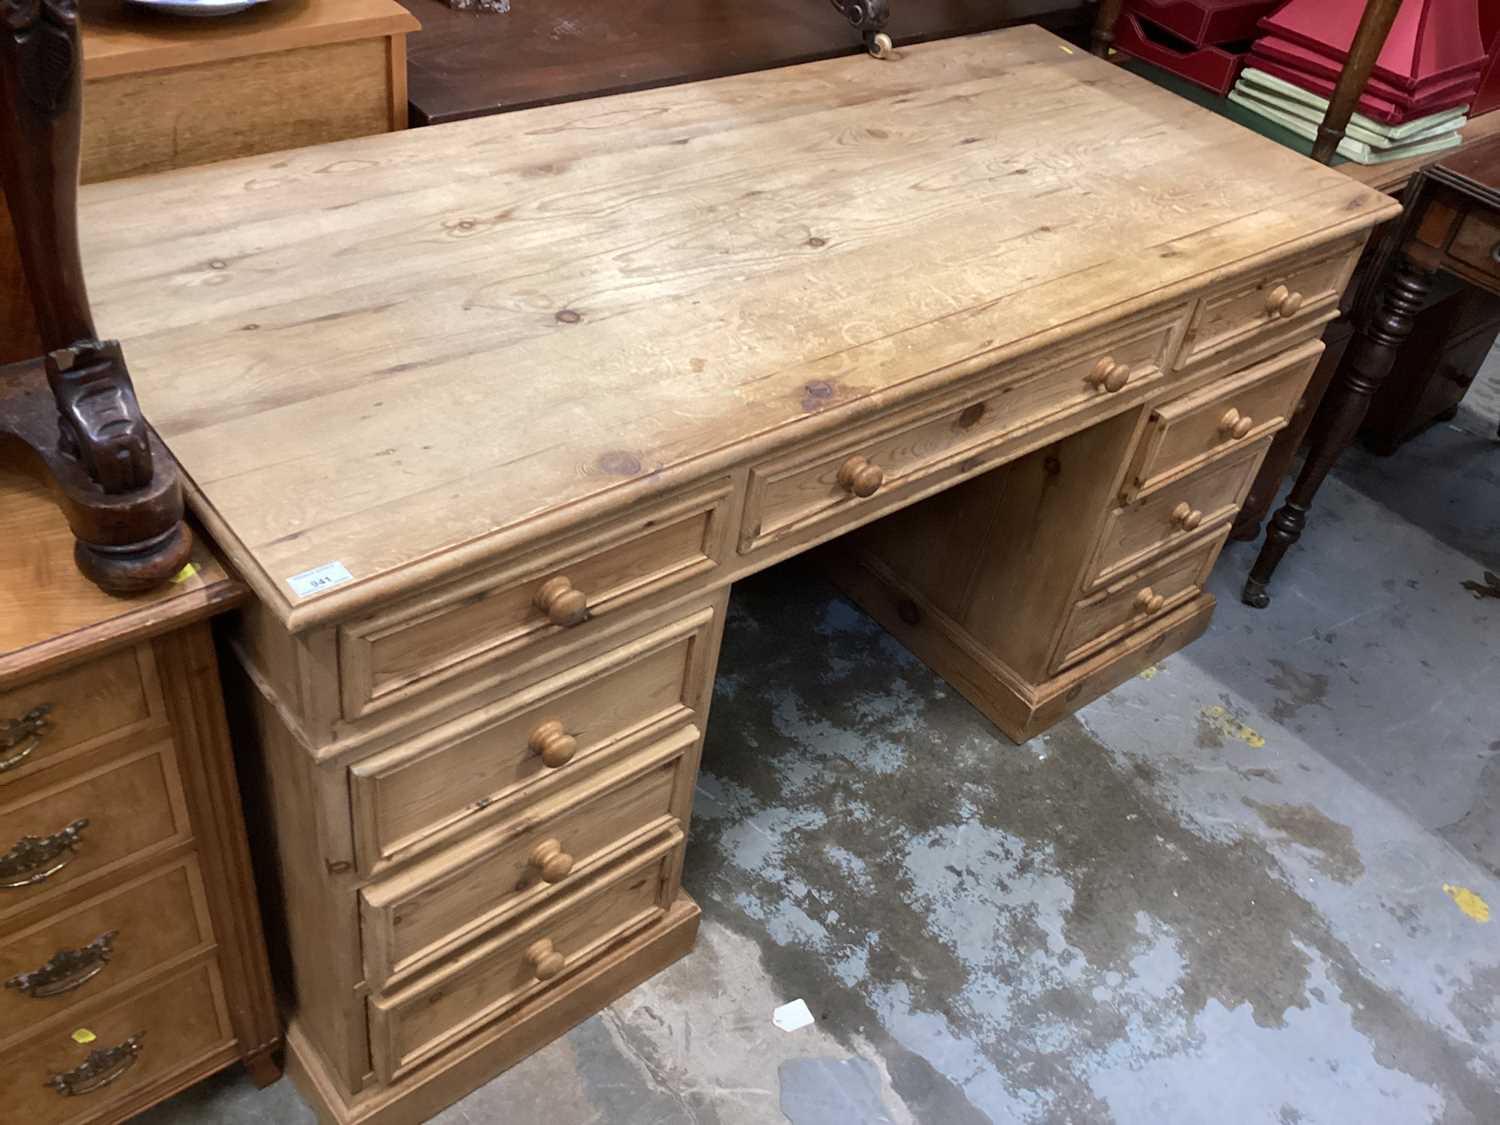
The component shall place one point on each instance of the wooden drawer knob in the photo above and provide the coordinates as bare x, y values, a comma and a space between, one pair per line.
1235, 425
1109, 375
1283, 302
1148, 601
562, 604
553, 743
545, 961
1187, 517
860, 477
549, 858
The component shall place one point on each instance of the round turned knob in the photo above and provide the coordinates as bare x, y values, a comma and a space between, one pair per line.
549, 858
1148, 601
1284, 303
1187, 517
1235, 425
860, 477
1109, 375
553, 743
545, 961
562, 604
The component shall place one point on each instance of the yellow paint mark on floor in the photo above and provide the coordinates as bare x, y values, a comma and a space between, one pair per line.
1149, 671
1467, 901
1230, 727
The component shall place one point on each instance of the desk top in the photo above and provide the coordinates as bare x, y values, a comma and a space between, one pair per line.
406, 352
119, 39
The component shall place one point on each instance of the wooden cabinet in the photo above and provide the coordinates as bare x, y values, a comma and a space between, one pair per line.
496, 423
130, 940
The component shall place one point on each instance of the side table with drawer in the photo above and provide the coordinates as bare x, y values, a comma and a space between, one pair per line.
131, 950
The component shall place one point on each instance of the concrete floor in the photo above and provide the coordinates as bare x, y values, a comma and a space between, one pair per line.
1247, 886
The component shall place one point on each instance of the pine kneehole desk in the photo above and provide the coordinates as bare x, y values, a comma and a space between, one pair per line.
491, 415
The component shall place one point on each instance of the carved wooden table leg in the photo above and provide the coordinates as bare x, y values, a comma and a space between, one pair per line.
73, 413
1104, 26
1373, 356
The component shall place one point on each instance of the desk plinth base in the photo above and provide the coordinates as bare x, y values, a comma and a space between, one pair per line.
531, 1027
1020, 709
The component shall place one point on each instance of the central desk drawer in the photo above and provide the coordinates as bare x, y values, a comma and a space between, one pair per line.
533, 606
1137, 533
91, 823
469, 772
412, 917
62, 716
436, 1012
102, 943
792, 493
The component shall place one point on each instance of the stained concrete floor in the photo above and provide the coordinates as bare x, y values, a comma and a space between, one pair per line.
1247, 886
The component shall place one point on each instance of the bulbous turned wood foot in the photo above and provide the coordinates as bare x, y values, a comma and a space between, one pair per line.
137, 567
1254, 594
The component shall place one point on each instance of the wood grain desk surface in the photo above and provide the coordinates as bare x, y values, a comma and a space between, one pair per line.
119, 39
411, 352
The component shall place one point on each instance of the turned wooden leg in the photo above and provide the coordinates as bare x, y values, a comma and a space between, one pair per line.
1370, 361
1369, 41
1104, 26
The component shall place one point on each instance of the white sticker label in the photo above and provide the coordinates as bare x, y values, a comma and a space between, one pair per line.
318, 579
793, 1016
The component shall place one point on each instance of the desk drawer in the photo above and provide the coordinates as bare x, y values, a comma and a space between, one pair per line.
101, 944
791, 493
1137, 533
63, 716
531, 607
1189, 432
1276, 299
88, 825
436, 1012
1477, 243
470, 772
430, 907
108, 1053
1114, 613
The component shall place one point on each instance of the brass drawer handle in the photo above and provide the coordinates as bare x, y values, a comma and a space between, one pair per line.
1235, 425
1149, 602
553, 744
1283, 302
98, 1070
545, 961
26, 733
860, 477
68, 969
549, 858
563, 604
35, 859
1109, 376
1187, 517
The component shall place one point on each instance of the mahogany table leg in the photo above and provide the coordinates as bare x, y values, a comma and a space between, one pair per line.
1104, 26
1369, 41
1373, 356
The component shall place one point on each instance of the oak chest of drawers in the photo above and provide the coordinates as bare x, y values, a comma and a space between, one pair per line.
131, 951
500, 415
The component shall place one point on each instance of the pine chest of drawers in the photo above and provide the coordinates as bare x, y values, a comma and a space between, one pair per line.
131, 952
501, 409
